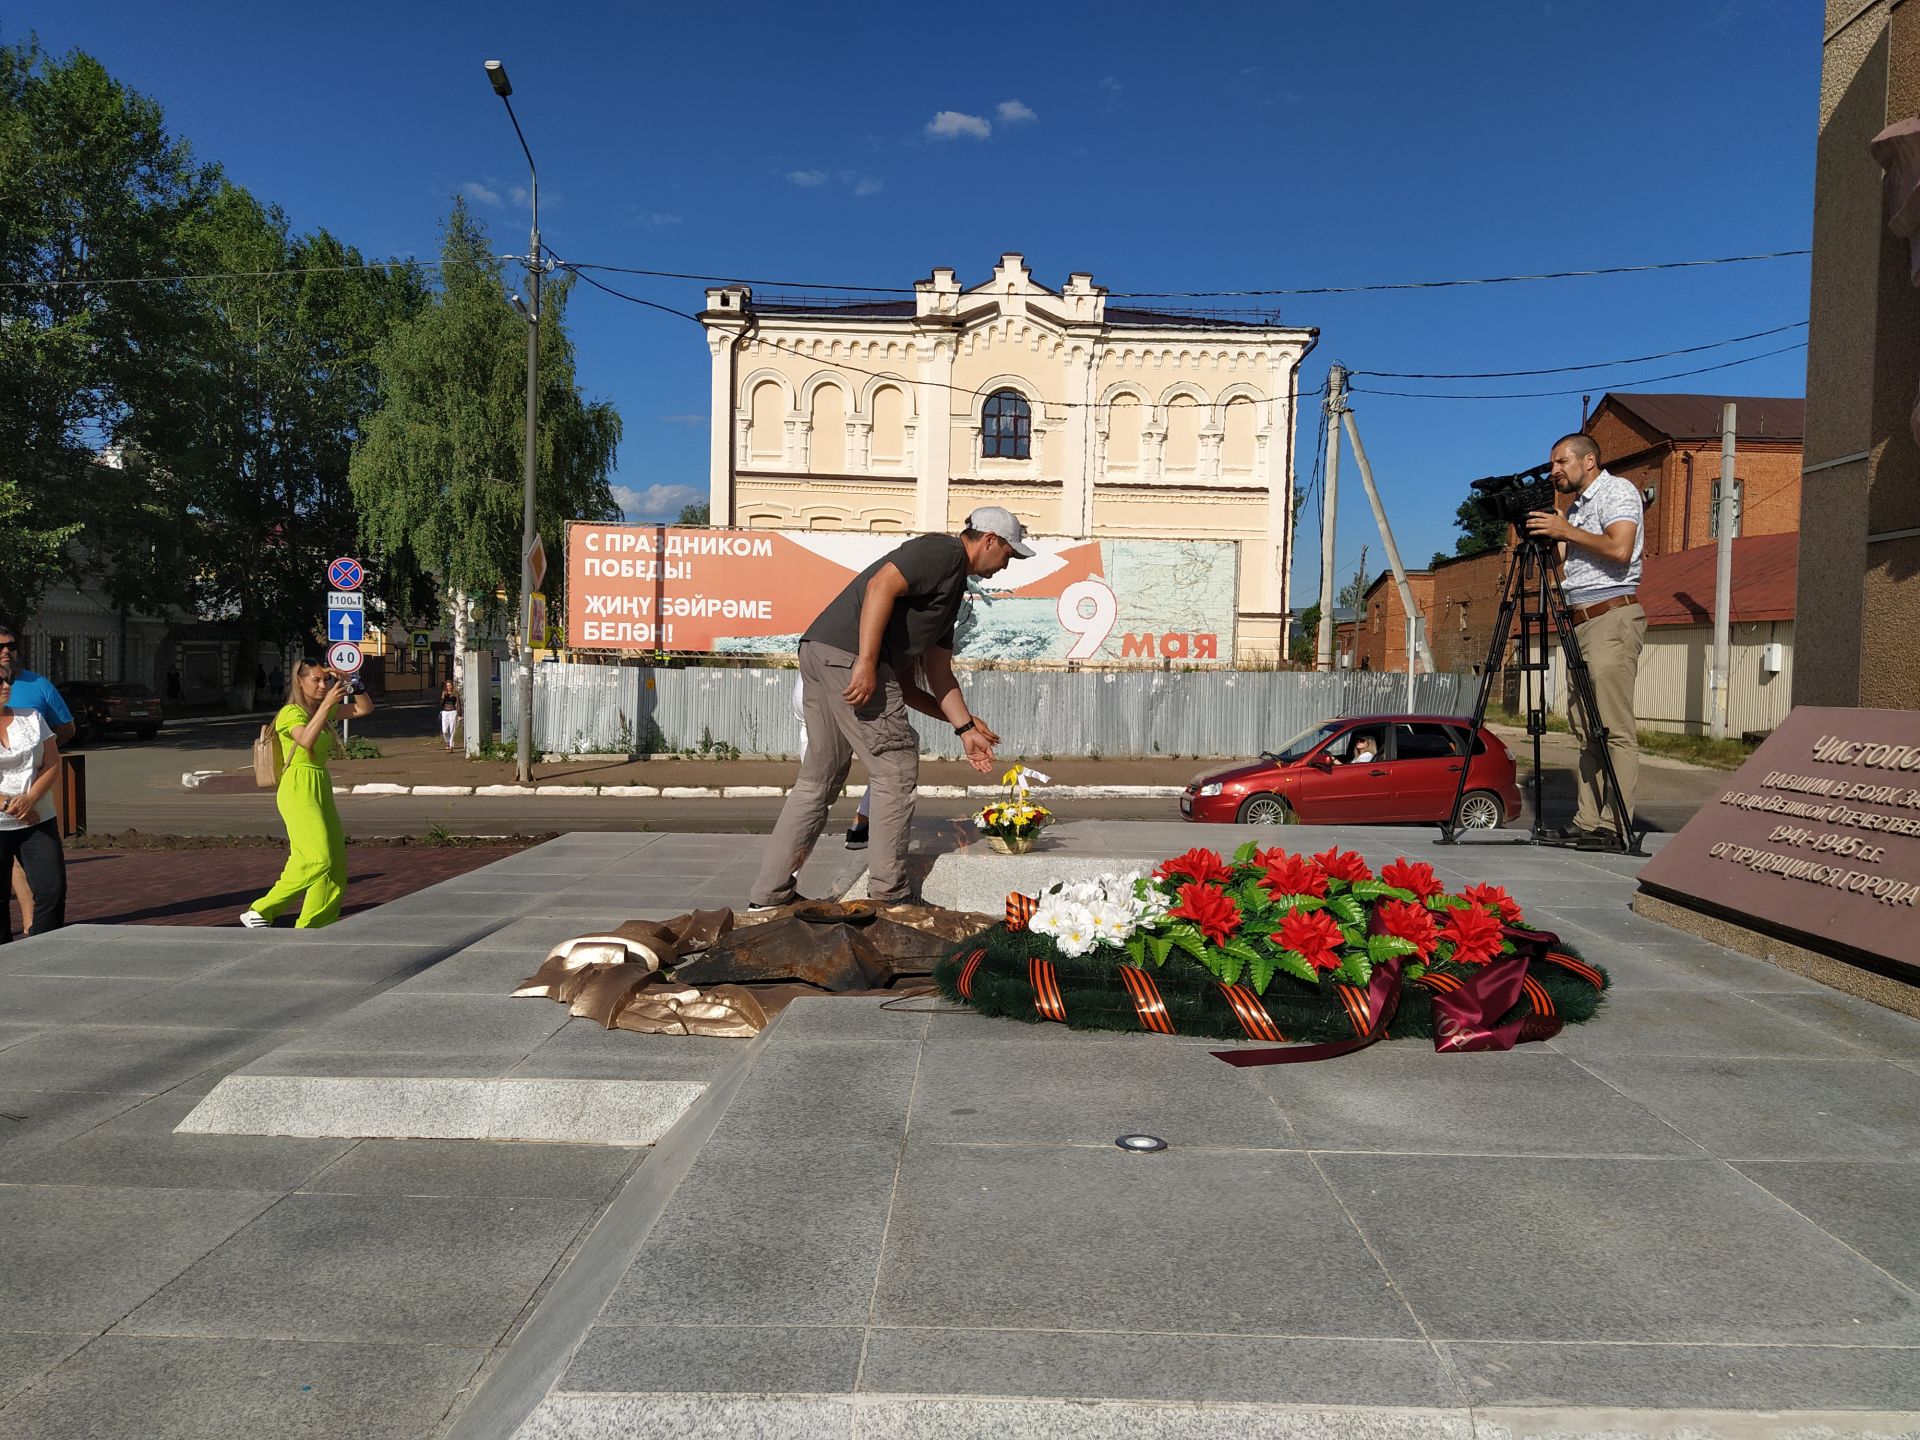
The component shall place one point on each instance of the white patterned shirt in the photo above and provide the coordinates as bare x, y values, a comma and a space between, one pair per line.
19, 760
1588, 579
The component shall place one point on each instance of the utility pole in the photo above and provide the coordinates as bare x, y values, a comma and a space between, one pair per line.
1386, 536
497, 77
1723, 580
1329, 507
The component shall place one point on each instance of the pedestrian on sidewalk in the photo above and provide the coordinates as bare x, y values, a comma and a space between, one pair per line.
38, 694
29, 832
449, 710
317, 862
857, 663
857, 831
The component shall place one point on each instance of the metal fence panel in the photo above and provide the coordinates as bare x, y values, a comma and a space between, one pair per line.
584, 708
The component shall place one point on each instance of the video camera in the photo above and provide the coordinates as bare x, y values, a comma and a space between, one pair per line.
1509, 499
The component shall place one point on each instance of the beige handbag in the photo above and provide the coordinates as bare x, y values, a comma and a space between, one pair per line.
266, 758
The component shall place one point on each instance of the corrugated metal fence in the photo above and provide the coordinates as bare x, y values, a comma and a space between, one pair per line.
608, 708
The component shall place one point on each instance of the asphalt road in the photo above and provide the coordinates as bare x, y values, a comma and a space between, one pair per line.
135, 785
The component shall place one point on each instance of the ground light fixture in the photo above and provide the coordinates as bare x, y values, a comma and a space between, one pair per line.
1141, 1144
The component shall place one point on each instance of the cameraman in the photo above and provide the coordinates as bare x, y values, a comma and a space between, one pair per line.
1599, 540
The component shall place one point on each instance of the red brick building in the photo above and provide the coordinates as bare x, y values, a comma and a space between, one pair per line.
1380, 638
1669, 447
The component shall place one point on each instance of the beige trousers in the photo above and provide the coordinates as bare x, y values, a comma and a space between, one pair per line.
1611, 645
880, 734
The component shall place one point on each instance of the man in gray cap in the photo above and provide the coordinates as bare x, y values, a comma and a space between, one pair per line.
857, 664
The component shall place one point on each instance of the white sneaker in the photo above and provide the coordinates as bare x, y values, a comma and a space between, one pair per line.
254, 920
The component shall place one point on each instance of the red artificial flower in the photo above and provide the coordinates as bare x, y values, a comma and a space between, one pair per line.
1212, 911
1292, 875
1410, 922
1343, 865
1496, 900
1314, 934
1474, 934
1417, 876
1197, 864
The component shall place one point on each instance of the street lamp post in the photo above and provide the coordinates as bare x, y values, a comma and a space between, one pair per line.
497, 75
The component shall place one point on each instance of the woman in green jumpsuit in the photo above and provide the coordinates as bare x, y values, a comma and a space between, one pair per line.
318, 862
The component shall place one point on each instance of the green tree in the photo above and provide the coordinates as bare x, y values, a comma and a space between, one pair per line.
35, 556
697, 513
92, 189
255, 444
1306, 645
1478, 532
437, 476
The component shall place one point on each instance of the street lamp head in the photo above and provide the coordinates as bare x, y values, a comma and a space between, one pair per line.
497, 75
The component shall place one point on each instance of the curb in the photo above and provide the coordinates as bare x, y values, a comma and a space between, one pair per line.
752, 792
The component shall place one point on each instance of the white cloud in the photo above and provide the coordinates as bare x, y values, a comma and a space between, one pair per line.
956, 125
854, 180
1012, 112
474, 190
518, 194
654, 219
807, 179
656, 502
1110, 87
868, 185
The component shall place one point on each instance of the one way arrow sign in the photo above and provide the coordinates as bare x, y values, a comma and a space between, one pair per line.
346, 625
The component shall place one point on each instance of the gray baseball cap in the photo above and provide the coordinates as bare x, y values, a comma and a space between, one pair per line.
993, 520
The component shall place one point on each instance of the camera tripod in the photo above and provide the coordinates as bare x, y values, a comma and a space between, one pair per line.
1530, 593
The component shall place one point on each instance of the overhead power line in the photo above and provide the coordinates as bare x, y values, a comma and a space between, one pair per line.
1543, 394
973, 392
221, 275
1566, 369
1231, 294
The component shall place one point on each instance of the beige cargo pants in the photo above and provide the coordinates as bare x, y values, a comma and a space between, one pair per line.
1611, 645
880, 734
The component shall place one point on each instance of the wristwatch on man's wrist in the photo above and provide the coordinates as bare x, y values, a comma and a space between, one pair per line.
963, 729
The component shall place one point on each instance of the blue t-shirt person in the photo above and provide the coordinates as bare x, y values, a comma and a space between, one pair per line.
37, 693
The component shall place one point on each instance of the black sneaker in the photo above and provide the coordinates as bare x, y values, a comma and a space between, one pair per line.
857, 835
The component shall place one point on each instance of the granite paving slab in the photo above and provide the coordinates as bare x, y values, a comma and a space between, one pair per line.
470, 1168
1621, 1232
139, 1147
76, 1257
1872, 1206
25, 1358
1729, 1378
133, 1059
1397, 1098
1079, 1238
178, 1388
1814, 1109
388, 1268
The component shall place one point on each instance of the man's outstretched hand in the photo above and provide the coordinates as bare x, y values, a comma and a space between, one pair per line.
979, 750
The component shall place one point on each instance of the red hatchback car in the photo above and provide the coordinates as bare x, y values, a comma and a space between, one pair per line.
1329, 776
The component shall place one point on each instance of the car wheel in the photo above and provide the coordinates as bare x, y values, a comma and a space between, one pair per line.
1479, 810
1265, 810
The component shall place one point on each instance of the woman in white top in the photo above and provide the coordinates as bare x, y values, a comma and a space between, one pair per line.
29, 768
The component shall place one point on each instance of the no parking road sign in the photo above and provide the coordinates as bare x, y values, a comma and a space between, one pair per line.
344, 657
345, 573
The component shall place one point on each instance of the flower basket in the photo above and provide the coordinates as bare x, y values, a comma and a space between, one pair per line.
1013, 824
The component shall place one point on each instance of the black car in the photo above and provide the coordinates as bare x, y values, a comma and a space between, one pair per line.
99, 706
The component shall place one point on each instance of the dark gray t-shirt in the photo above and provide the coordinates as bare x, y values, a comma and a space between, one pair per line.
935, 567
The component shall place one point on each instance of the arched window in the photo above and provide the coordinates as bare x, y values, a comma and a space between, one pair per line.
1006, 427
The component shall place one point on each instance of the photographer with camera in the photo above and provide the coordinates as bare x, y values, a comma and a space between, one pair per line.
317, 862
1599, 540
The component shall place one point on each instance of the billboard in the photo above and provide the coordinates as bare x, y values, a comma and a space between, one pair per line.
753, 592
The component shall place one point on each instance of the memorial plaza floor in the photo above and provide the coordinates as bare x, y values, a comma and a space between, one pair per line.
340, 1184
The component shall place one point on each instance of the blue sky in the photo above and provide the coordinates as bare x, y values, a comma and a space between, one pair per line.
1235, 146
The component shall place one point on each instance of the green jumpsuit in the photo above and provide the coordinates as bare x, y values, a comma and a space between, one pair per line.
318, 864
